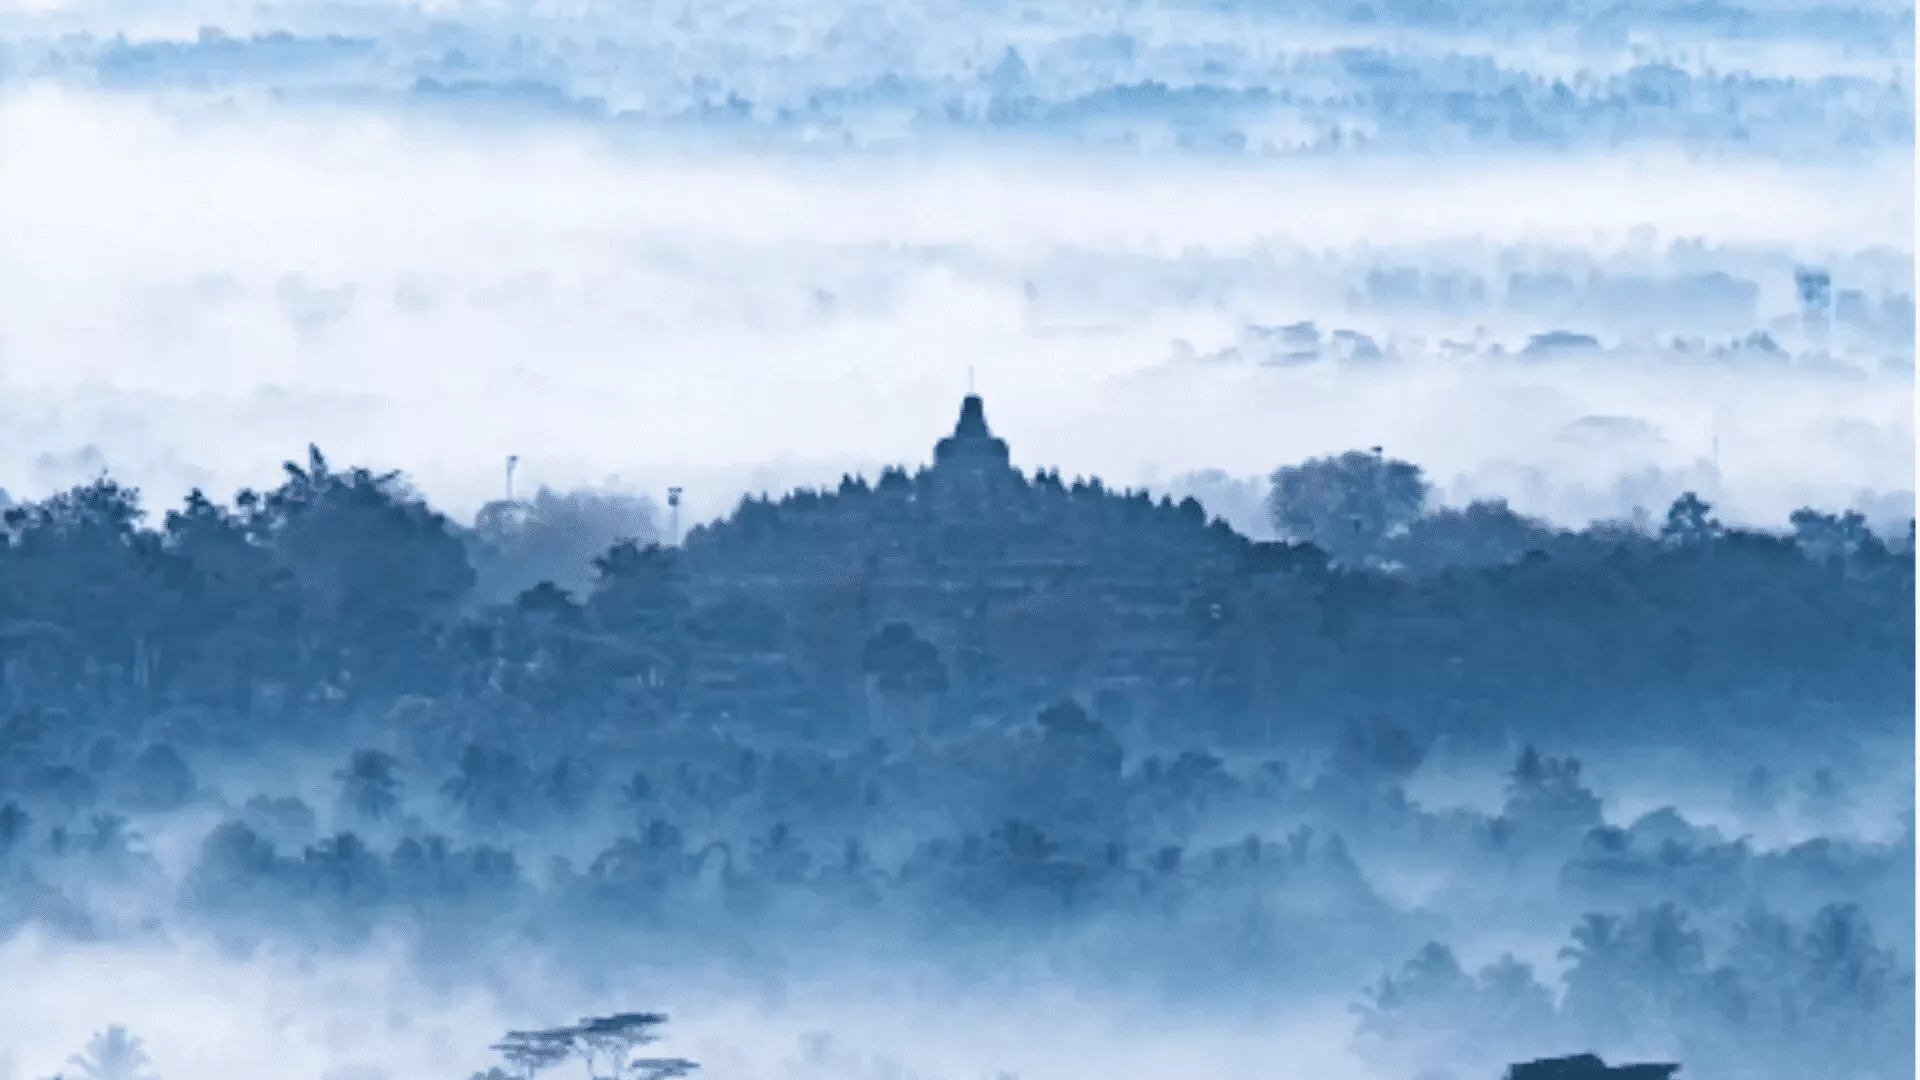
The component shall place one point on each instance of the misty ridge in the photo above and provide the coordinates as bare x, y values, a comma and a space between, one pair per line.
1230, 80
1463, 787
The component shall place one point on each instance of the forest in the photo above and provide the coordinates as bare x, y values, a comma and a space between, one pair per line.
1507, 790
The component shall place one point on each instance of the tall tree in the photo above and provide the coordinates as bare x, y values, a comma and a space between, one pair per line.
368, 787
1346, 505
113, 1054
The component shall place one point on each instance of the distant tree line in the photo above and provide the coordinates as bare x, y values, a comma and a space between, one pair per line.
341, 590
708, 757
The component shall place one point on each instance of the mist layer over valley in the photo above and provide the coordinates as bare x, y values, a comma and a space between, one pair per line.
1489, 635
1613, 259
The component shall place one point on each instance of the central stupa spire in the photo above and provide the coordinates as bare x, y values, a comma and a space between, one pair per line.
972, 441
973, 419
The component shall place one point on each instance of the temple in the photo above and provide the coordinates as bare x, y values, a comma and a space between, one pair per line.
972, 445
1025, 584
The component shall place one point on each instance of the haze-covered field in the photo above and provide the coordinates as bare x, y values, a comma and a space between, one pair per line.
318, 783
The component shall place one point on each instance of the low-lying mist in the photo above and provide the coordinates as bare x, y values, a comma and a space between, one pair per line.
732, 323
322, 781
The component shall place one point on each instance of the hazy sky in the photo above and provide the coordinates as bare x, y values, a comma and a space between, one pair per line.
758, 244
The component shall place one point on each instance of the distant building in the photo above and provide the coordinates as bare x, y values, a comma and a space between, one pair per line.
979, 556
1588, 1067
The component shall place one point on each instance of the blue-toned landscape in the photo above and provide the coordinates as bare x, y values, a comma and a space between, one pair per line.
1362, 541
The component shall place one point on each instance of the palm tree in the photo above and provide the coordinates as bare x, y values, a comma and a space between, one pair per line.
780, 856
1594, 974
491, 787
569, 784
110, 836
369, 788
112, 1054
1595, 942
1669, 950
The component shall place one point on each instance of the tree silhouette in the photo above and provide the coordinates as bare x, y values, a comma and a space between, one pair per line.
612, 1040
375, 565
905, 669
159, 779
606, 1046
112, 1054
1486, 533
901, 663
1347, 506
553, 538
531, 1052
492, 787
1690, 521
568, 785
368, 786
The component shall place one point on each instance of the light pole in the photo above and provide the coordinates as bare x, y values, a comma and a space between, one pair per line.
673, 509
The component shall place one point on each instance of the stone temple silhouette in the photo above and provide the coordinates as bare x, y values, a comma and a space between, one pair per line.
972, 445
983, 559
